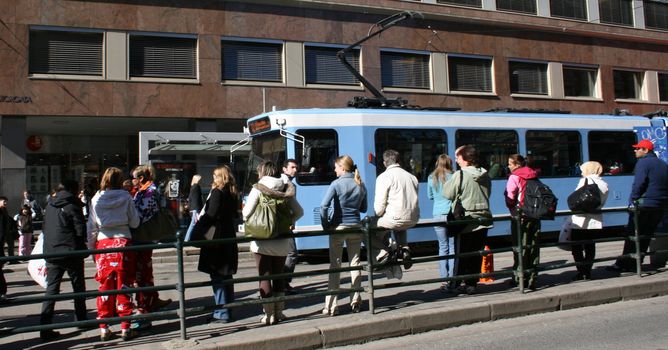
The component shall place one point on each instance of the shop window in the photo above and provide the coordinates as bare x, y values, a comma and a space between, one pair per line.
528, 78
656, 14
405, 70
613, 150
323, 67
628, 84
616, 11
524, 6
663, 87
60, 51
580, 81
470, 74
418, 149
494, 147
316, 157
153, 56
252, 61
575, 9
554, 153
470, 3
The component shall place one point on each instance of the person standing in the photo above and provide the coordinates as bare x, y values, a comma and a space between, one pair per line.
24, 223
475, 186
340, 209
270, 254
220, 261
446, 242
396, 206
5, 229
530, 228
147, 201
112, 215
590, 225
650, 192
194, 203
290, 167
9, 226
64, 231
29, 199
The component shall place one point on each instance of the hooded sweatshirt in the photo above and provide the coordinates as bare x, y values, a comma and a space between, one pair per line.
64, 225
475, 189
273, 187
516, 185
112, 214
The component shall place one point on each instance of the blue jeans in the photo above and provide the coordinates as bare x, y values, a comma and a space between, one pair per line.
446, 246
222, 294
193, 220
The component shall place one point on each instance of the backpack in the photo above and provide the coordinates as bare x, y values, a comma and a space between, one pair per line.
540, 203
270, 218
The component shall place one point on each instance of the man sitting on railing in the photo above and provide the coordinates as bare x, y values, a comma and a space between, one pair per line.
396, 206
650, 192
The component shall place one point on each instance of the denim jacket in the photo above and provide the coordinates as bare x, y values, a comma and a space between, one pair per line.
343, 202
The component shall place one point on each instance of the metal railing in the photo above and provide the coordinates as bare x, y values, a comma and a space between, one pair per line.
182, 312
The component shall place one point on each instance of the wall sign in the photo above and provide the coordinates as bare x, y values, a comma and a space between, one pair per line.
15, 99
34, 143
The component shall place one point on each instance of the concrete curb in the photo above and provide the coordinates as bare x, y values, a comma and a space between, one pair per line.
360, 328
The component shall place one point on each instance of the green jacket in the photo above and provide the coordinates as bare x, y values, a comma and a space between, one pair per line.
476, 188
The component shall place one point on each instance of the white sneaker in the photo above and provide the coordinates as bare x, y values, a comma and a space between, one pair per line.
382, 256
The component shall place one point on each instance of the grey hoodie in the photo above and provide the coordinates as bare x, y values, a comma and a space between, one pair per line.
112, 214
476, 187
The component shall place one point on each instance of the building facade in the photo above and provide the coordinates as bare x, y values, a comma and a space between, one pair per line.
80, 79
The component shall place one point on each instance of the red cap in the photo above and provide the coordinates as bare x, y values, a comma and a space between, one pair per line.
644, 144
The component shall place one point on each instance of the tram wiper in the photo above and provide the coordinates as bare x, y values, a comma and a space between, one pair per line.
380, 100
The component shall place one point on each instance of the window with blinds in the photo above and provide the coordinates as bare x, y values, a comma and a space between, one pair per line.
628, 84
252, 61
470, 3
404, 70
163, 57
470, 74
528, 78
575, 9
524, 6
579, 81
616, 11
663, 87
656, 14
65, 52
323, 67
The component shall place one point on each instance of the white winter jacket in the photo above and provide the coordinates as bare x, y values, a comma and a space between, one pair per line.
396, 199
112, 214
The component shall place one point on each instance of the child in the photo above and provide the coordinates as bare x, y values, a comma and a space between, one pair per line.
24, 223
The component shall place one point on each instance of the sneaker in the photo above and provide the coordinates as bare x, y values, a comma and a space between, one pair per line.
406, 258
159, 304
48, 335
330, 312
105, 334
128, 334
382, 257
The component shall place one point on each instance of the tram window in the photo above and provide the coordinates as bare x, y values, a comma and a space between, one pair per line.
554, 153
316, 157
266, 147
418, 149
494, 147
613, 150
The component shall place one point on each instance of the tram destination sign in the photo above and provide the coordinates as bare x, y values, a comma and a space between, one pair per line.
259, 125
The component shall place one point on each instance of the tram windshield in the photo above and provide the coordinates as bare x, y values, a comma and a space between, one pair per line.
267, 147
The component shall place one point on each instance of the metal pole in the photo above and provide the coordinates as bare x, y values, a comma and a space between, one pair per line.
520, 251
369, 259
637, 234
180, 286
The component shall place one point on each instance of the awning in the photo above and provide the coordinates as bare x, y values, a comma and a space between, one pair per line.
196, 149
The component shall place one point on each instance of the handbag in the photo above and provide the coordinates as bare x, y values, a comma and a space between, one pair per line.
586, 198
457, 210
162, 225
270, 218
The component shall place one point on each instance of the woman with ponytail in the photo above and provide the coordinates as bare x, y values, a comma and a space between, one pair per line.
340, 210
446, 242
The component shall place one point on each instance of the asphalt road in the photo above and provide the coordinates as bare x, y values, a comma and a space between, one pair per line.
639, 324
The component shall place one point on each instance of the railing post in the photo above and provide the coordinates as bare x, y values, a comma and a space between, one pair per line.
520, 251
369, 258
637, 234
181, 284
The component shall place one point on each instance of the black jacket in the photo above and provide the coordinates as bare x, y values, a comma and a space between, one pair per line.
221, 212
195, 198
7, 228
64, 226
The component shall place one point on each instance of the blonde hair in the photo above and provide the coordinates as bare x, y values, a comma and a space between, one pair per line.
267, 168
222, 177
443, 166
112, 179
195, 180
591, 168
349, 166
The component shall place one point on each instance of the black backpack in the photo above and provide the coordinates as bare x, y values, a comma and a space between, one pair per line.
540, 203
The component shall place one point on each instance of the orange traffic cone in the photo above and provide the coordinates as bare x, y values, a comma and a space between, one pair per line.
487, 266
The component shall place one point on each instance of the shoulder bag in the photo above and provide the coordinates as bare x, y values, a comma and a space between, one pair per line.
162, 225
457, 210
586, 198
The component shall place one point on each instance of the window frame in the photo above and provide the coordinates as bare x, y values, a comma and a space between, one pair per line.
638, 85
356, 51
554, 3
330, 175
249, 41
652, 18
500, 157
464, 3
611, 20
662, 77
429, 74
575, 166
510, 8
489, 72
162, 36
619, 149
595, 90
544, 82
425, 165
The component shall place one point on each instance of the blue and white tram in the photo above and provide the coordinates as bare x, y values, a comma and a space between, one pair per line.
554, 144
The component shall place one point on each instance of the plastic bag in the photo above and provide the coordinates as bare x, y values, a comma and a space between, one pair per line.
565, 234
37, 267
